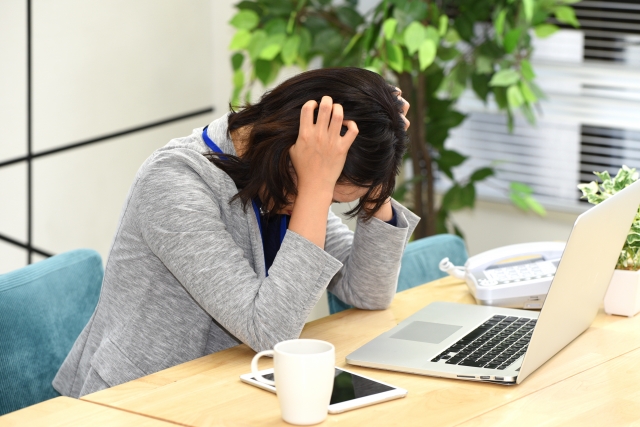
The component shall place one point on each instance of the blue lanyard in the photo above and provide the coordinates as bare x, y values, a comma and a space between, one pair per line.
256, 211
211, 144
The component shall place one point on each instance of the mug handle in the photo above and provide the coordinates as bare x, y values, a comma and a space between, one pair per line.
254, 367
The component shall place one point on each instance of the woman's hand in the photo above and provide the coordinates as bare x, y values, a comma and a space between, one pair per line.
405, 109
318, 157
320, 151
385, 213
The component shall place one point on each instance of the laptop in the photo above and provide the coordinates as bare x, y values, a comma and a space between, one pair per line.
504, 345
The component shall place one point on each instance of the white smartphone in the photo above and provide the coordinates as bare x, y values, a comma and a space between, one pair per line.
350, 390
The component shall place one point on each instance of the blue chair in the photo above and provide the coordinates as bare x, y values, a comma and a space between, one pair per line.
43, 309
419, 263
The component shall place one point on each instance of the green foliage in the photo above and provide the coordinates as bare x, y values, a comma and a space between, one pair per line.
450, 46
595, 193
521, 196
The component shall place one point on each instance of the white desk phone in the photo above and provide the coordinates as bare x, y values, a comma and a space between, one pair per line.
518, 284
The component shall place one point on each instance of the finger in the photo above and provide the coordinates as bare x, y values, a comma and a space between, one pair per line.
407, 123
306, 114
336, 121
405, 106
352, 132
324, 112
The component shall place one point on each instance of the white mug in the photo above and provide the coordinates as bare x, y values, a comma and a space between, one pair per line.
304, 371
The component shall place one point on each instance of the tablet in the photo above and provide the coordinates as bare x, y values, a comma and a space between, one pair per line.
350, 390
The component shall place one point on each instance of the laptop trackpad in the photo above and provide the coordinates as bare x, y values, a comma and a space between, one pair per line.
432, 333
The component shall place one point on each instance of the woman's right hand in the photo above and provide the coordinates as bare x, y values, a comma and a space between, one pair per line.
319, 154
318, 157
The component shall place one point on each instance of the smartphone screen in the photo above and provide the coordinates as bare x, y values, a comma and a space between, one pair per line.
348, 386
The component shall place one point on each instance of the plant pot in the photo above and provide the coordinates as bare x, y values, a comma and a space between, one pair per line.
623, 296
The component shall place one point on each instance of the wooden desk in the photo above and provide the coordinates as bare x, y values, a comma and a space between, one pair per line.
593, 381
68, 412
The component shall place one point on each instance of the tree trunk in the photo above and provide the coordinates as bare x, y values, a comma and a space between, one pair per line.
429, 219
414, 91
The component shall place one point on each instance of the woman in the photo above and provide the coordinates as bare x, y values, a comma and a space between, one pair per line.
226, 236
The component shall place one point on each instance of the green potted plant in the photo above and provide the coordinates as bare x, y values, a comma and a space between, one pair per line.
433, 49
623, 296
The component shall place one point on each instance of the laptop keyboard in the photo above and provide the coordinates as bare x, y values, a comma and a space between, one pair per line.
495, 344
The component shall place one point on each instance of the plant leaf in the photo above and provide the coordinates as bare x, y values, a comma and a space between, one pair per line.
527, 70
519, 187
267, 71
349, 16
305, 42
527, 5
394, 56
481, 174
240, 40
514, 96
500, 95
290, 49
291, 22
452, 36
258, 39
535, 206
447, 53
518, 200
504, 78
389, 27
443, 25
528, 113
484, 65
537, 91
236, 61
451, 199
566, 15
480, 85
464, 25
468, 195
246, 19
511, 39
272, 46
238, 79
545, 30
528, 95
499, 23
414, 35
432, 34
426, 54
354, 40
276, 26
451, 158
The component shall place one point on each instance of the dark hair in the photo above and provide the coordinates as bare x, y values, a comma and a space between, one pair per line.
373, 159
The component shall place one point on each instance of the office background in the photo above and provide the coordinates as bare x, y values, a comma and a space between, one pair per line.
89, 89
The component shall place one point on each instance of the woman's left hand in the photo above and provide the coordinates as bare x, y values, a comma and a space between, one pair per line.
405, 109
385, 213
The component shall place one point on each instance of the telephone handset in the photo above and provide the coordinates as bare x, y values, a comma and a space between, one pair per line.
516, 276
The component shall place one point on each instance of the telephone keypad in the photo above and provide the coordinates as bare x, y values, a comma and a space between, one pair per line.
517, 273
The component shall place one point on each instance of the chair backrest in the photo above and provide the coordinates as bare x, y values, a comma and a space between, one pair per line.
43, 309
420, 263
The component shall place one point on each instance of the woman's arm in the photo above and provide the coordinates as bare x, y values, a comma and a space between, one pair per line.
207, 245
370, 256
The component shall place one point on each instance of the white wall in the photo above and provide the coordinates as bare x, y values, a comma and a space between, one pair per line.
99, 67
221, 70
493, 224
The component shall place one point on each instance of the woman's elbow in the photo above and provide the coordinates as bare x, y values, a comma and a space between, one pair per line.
378, 304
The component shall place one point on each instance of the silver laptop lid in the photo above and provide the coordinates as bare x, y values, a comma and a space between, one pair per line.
582, 277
